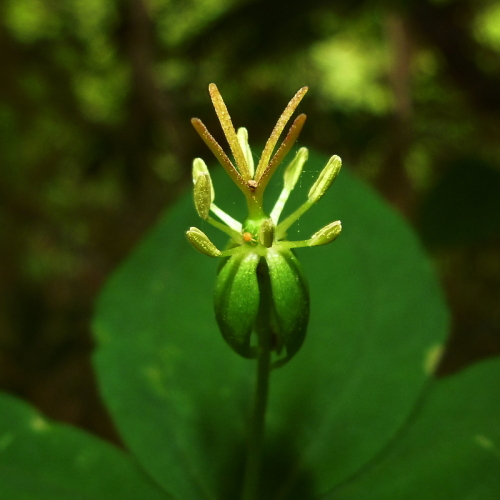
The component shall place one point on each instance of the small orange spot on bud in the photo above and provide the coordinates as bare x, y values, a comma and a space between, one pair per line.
247, 237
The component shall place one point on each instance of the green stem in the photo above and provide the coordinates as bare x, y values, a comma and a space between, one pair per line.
253, 467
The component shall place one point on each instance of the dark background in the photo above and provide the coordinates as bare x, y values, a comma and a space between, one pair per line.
95, 141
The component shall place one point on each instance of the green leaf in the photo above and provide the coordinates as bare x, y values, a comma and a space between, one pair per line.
451, 450
181, 397
44, 460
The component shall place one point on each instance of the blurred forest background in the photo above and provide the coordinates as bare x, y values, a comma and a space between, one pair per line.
95, 102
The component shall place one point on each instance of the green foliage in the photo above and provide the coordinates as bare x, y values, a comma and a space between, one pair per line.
347, 417
353, 63
44, 460
96, 96
451, 449
95, 99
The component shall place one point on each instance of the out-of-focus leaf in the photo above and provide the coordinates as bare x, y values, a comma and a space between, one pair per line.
451, 449
45, 460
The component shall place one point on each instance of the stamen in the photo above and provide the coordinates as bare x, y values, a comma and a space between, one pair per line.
282, 227
326, 234
200, 167
202, 243
235, 235
229, 132
325, 179
290, 177
318, 189
322, 237
226, 218
275, 134
203, 195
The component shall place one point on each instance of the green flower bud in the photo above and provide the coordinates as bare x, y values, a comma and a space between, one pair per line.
242, 283
203, 195
327, 234
325, 179
236, 301
201, 242
290, 297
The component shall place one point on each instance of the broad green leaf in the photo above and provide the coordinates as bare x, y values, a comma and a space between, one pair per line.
451, 449
181, 397
44, 460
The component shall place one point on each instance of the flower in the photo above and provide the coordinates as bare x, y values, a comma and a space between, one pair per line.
260, 285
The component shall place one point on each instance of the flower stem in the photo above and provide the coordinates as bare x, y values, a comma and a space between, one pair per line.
253, 467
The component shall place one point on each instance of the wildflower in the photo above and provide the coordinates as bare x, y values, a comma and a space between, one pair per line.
260, 285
